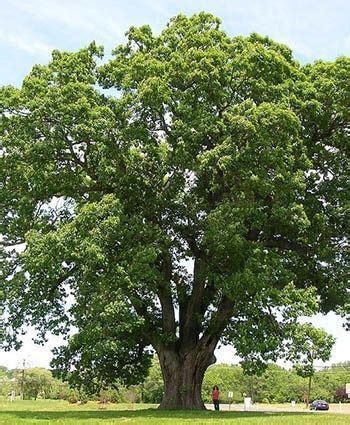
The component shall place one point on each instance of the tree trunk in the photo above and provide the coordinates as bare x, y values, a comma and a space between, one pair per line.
183, 376
308, 392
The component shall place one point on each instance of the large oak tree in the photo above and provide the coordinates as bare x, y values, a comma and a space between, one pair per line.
188, 191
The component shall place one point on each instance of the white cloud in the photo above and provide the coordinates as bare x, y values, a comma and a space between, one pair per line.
313, 29
101, 20
27, 43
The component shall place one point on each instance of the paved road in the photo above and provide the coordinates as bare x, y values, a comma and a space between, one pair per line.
271, 408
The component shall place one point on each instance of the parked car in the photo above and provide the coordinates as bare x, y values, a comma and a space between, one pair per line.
319, 405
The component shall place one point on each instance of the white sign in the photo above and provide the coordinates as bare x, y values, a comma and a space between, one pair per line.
347, 388
230, 394
247, 403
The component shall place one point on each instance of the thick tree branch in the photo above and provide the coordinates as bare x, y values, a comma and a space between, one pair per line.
165, 296
189, 331
218, 322
60, 280
285, 244
151, 330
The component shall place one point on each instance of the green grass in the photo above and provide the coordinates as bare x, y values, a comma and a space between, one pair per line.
47, 412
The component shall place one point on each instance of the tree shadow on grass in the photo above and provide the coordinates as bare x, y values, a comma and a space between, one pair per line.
144, 413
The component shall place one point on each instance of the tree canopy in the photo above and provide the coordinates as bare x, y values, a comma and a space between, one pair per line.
191, 189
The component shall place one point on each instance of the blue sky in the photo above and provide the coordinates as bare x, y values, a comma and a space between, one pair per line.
31, 29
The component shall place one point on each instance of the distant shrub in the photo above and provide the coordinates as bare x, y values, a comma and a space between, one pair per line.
73, 397
341, 395
83, 397
109, 395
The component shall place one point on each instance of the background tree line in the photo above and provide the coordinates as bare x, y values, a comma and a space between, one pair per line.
276, 385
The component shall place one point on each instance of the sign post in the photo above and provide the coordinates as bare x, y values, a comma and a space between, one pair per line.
229, 396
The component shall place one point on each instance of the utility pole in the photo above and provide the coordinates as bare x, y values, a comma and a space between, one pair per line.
22, 383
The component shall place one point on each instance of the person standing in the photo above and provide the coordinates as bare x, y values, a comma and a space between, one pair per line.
215, 395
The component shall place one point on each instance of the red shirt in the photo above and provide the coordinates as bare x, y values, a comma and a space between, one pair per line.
215, 395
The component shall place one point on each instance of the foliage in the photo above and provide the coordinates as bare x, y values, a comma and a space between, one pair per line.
110, 395
223, 154
227, 378
153, 388
59, 390
83, 397
73, 397
309, 344
341, 394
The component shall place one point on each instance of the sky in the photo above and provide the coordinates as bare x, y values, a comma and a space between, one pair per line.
31, 29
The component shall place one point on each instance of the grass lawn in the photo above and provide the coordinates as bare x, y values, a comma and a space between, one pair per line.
45, 412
